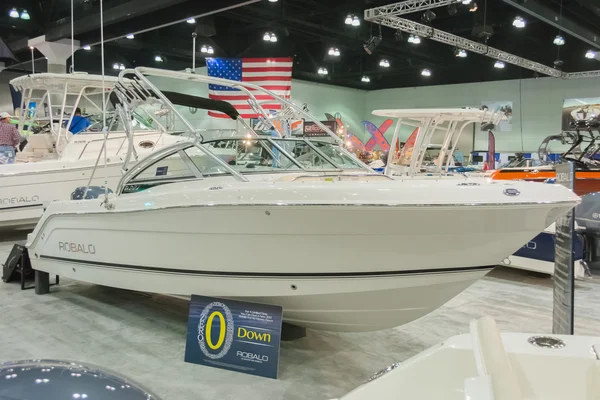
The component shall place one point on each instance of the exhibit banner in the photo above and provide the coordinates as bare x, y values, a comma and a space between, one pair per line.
564, 276
311, 129
505, 124
579, 110
234, 335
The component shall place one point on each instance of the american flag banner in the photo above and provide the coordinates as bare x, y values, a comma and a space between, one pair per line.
274, 74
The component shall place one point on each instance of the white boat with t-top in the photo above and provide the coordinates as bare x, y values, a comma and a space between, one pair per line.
294, 222
55, 162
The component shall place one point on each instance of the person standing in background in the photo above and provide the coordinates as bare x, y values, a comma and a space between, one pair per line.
9, 139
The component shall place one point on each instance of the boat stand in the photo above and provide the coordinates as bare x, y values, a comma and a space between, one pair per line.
291, 332
18, 263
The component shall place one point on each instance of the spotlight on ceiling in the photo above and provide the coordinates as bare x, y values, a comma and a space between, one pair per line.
499, 64
121, 67
331, 51
519, 22
355, 21
204, 49
336, 52
426, 72
273, 38
460, 53
267, 37
372, 44
559, 40
130, 36
365, 79
414, 39
348, 20
13, 13
87, 47
115, 66
24, 15
273, 1
322, 71
191, 21
210, 50
466, 1
590, 54
428, 16
158, 59
384, 63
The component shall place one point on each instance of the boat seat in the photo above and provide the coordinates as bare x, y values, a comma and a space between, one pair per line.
497, 378
39, 147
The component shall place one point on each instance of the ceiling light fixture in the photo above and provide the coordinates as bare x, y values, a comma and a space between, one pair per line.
466, 2
331, 51
384, 63
372, 44
204, 49
365, 79
499, 64
559, 40
13, 13
460, 53
322, 71
519, 22
24, 15
267, 37
130, 36
355, 21
121, 67
87, 47
590, 54
336, 52
158, 59
273, 38
191, 21
210, 50
115, 66
273, 1
348, 20
426, 72
414, 39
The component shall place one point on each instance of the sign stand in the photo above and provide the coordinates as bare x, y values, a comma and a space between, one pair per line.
564, 248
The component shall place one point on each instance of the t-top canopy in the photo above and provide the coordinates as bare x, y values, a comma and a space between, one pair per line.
75, 83
445, 113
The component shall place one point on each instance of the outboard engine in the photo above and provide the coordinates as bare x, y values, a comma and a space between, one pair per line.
587, 217
93, 192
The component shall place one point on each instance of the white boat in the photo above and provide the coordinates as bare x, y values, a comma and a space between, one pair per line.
55, 162
293, 222
489, 365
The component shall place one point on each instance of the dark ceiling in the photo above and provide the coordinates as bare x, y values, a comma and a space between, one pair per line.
306, 29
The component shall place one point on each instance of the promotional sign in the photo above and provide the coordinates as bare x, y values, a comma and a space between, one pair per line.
564, 276
311, 129
575, 110
234, 335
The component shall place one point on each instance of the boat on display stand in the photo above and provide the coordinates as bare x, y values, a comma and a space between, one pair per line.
288, 221
488, 365
55, 163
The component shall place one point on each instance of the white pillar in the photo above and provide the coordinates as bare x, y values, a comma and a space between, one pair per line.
57, 52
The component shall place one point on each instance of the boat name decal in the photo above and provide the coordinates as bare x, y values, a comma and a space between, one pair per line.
71, 247
17, 200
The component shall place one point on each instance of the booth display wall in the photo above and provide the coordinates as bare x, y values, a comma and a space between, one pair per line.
320, 99
537, 106
6, 104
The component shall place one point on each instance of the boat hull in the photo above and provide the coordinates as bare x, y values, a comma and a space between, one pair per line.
332, 267
585, 181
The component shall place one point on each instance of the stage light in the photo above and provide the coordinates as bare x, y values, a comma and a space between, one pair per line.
372, 44
460, 53
559, 40
24, 15
366, 79
204, 49
590, 54
348, 20
13, 13
499, 64
130, 36
384, 63
191, 21
355, 21
426, 72
210, 50
87, 47
519, 22
158, 59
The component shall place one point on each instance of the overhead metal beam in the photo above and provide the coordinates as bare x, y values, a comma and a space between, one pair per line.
543, 13
410, 6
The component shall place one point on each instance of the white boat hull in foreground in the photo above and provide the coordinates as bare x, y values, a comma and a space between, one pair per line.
363, 265
487, 365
